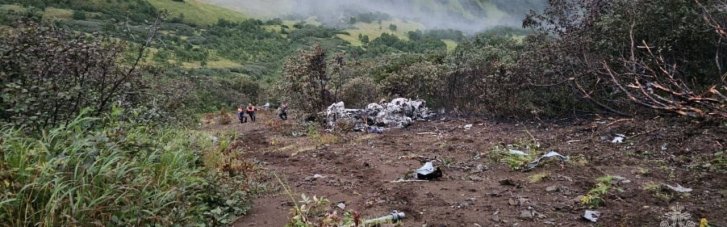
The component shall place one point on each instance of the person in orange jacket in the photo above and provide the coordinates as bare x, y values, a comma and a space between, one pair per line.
241, 115
251, 111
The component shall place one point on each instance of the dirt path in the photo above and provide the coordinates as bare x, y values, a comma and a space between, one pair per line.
356, 169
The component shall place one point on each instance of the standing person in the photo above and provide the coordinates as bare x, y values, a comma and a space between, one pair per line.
251, 111
241, 115
283, 111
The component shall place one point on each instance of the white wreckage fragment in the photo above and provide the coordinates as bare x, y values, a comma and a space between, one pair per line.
399, 113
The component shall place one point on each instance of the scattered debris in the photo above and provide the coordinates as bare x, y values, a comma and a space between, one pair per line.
400, 113
572, 141
393, 217
592, 215
678, 188
467, 127
375, 129
664, 146
428, 172
546, 156
619, 138
314, 177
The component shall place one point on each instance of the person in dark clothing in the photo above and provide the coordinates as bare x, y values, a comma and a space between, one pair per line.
251, 111
283, 111
241, 115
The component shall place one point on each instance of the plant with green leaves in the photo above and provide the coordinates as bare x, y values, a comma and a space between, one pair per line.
96, 171
594, 197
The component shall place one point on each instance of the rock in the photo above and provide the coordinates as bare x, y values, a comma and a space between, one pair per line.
527, 215
475, 178
552, 188
496, 218
512, 202
481, 168
342, 206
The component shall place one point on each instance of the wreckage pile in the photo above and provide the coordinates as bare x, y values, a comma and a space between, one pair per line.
399, 113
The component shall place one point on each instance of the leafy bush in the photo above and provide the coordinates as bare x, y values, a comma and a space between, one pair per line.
594, 197
119, 174
50, 74
359, 92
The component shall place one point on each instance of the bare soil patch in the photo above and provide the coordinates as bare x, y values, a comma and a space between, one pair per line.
358, 169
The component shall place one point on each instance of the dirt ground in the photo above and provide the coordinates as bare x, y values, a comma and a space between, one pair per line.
476, 190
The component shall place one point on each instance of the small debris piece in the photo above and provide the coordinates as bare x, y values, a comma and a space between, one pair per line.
621, 180
341, 205
592, 215
619, 138
546, 156
553, 188
393, 217
526, 215
375, 129
428, 172
467, 127
678, 188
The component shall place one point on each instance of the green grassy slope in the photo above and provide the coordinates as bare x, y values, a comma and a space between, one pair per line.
197, 12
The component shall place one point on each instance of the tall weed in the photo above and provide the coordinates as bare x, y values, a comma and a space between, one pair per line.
102, 172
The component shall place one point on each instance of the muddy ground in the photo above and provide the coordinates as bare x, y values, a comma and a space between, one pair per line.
357, 169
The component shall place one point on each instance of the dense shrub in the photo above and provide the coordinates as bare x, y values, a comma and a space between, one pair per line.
48, 75
579, 38
93, 172
358, 92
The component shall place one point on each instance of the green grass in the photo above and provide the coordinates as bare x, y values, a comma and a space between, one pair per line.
102, 172
451, 44
13, 7
594, 197
374, 30
51, 13
197, 12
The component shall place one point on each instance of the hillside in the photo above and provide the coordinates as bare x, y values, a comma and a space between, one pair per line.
465, 15
303, 113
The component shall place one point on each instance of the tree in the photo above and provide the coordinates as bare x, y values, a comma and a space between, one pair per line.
305, 82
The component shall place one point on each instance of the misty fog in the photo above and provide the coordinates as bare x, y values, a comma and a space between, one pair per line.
464, 15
